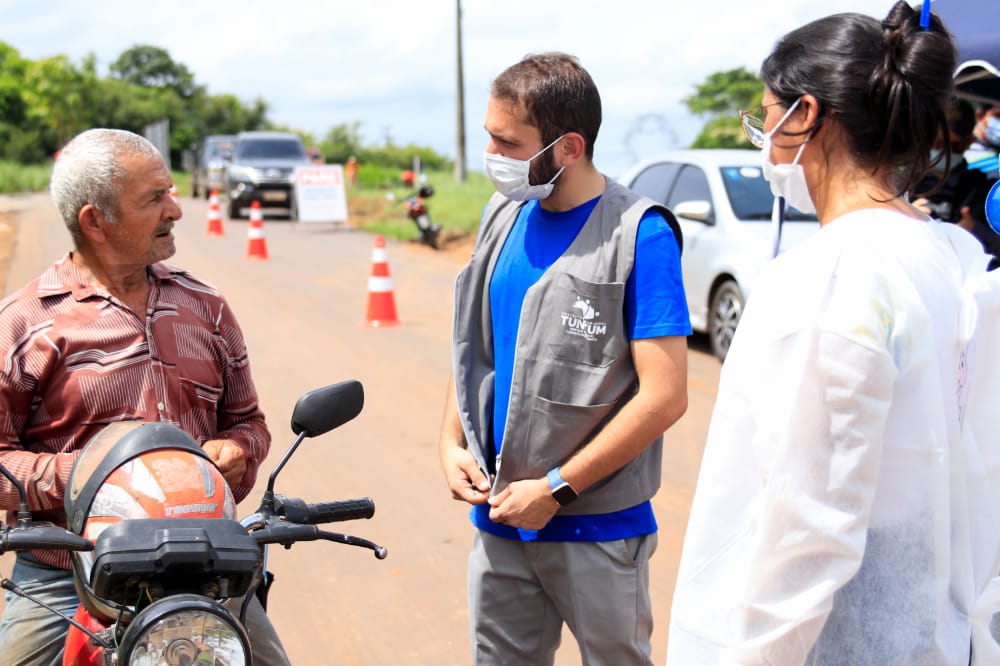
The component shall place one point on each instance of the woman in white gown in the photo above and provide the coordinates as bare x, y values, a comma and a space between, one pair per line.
841, 516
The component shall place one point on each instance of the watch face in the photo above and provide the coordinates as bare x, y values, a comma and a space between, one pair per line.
564, 494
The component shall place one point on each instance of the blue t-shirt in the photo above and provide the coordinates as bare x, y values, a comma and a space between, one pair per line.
657, 309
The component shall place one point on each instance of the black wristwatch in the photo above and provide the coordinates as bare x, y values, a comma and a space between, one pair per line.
561, 490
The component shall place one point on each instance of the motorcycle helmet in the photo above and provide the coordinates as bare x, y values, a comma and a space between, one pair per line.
134, 470
426, 191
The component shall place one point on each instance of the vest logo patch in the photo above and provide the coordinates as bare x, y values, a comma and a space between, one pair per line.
582, 320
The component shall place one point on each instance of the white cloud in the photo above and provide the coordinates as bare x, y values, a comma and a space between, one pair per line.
390, 64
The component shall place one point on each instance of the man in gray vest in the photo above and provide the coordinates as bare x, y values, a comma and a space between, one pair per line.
570, 361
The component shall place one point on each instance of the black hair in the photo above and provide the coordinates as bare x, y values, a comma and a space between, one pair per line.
557, 95
961, 117
886, 83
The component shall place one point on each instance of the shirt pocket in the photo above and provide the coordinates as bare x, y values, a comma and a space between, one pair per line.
589, 327
201, 394
556, 430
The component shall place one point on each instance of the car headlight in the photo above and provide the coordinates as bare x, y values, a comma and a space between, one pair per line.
184, 630
243, 173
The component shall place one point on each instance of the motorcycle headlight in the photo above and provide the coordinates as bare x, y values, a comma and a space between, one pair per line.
184, 630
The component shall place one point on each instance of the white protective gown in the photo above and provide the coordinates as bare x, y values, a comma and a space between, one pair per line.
840, 517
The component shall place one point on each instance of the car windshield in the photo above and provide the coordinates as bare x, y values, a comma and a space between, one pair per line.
215, 149
271, 149
750, 195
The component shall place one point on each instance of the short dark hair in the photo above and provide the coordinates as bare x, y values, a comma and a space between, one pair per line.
961, 117
886, 83
557, 95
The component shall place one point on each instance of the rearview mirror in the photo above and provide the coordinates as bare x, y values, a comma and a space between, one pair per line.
323, 409
695, 210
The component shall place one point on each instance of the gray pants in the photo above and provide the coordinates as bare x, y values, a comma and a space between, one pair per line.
520, 593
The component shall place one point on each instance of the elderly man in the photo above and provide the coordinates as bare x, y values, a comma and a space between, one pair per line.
87, 344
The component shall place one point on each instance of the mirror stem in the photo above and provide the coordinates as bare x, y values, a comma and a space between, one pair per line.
267, 501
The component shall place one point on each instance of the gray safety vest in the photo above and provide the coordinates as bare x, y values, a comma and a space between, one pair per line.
573, 366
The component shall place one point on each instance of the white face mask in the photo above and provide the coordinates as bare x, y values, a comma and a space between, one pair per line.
938, 163
510, 176
787, 180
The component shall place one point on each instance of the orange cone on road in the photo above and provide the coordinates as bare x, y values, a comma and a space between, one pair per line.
256, 244
381, 302
174, 195
214, 216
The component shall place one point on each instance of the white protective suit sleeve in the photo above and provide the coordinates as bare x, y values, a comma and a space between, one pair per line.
823, 428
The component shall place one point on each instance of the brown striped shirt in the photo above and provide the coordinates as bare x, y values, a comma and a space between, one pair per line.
74, 359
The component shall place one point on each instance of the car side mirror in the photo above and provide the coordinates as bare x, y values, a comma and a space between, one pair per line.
695, 210
227, 155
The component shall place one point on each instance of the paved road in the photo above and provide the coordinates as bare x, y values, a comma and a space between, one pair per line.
301, 311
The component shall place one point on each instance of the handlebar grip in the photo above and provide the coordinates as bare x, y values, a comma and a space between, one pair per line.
298, 511
42, 537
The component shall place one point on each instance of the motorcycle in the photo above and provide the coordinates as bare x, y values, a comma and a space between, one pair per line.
416, 210
164, 571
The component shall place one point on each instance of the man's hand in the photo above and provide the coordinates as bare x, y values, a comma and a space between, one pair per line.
229, 458
527, 505
466, 480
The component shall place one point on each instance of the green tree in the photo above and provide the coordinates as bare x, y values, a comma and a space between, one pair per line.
22, 138
226, 114
55, 92
342, 141
720, 98
152, 67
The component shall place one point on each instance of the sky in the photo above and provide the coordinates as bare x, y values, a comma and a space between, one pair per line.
391, 64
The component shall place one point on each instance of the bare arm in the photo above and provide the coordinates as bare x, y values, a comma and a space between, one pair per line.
461, 472
661, 366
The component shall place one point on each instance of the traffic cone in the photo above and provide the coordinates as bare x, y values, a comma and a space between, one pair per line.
173, 194
256, 244
214, 216
381, 303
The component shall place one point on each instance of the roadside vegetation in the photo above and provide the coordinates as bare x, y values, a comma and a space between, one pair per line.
16, 178
45, 102
379, 207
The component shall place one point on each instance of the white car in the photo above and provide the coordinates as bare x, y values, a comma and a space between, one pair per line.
725, 210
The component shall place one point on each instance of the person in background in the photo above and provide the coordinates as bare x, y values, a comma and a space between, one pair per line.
570, 362
982, 155
950, 189
351, 171
987, 129
835, 520
109, 333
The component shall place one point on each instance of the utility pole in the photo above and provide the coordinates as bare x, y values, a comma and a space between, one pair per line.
460, 173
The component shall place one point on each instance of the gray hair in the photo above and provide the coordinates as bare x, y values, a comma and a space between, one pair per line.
89, 170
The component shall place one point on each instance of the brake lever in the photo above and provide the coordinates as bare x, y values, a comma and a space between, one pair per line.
286, 534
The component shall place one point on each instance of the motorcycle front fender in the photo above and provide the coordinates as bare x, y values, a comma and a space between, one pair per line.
79, 649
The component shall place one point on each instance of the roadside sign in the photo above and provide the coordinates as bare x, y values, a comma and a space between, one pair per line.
319, 193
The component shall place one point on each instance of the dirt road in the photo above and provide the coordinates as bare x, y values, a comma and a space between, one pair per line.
301, 311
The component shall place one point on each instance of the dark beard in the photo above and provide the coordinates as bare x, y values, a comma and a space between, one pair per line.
543, 168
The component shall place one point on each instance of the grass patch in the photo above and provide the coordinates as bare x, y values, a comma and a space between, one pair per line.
457, 207
19, 178
379, 208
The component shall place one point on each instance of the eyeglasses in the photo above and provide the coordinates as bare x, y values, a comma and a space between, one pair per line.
753, 125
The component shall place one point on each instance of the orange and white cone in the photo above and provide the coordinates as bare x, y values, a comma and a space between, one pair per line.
174, 195
214, 216
256, 244
381, 302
